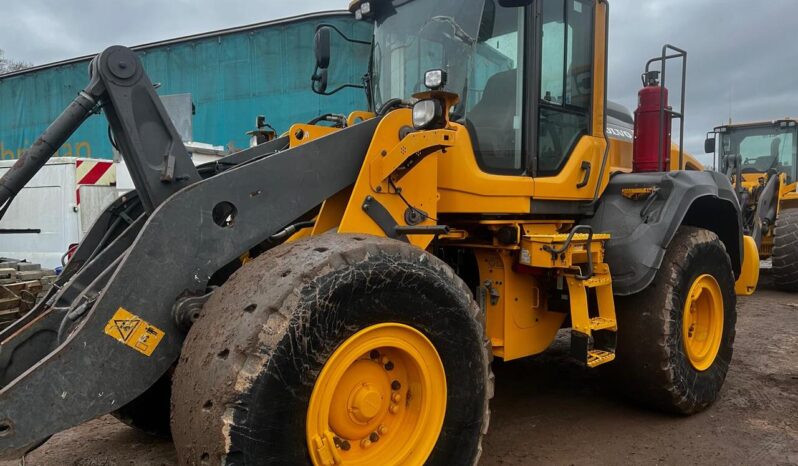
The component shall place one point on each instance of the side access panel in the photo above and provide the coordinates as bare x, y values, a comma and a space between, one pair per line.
642, 212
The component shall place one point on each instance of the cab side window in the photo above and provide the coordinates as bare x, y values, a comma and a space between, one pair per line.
566, 80
494, 107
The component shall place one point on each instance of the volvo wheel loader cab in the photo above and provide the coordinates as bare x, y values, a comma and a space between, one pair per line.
761, 160
335, 295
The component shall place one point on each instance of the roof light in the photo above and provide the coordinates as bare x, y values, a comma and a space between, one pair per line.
361, 9
435, 79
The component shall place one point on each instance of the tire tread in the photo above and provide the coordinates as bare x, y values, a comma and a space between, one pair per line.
785, 251
650, 373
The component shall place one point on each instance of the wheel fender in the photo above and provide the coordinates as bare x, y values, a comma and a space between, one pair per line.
643, 211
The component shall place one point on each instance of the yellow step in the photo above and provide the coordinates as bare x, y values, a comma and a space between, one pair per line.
599, 357
601, 323
599, 279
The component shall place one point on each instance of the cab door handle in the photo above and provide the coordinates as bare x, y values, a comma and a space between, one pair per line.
585, 168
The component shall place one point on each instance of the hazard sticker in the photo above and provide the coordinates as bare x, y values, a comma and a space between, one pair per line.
132, 331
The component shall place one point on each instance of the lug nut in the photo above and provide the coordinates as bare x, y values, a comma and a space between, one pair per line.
341, 443
396, 397
365, 443
394, 408
382, 429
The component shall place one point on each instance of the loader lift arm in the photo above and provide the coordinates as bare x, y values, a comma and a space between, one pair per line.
158, 161
58, 367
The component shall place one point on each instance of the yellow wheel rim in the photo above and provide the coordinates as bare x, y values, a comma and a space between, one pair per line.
702, 322
380, 399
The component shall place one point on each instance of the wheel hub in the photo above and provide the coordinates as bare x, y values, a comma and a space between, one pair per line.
366, 403
360, 400
702, 322
380, 399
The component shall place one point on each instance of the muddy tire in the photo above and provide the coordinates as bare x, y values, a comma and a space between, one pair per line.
149, 412
785, 251
661, 362
247, 372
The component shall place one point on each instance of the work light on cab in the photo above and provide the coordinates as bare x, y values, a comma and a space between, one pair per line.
435, 79
360, 9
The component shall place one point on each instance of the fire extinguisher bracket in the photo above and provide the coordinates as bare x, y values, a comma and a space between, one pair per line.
654, 116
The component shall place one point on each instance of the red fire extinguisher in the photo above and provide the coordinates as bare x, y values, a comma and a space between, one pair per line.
649, 128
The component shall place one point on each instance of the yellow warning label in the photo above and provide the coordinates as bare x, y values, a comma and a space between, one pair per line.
134, 332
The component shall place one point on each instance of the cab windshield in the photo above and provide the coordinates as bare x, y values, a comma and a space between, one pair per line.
760, 149
413, 37
481, 47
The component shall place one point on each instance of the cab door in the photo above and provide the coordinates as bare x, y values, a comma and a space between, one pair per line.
568, 144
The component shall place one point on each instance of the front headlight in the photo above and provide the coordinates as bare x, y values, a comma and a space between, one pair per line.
426, 113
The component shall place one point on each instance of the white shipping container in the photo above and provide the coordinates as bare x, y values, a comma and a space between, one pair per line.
56, 208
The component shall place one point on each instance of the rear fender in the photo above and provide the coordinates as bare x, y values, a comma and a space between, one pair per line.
643, 211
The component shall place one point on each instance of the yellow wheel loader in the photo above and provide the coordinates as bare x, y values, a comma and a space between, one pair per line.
335, 296
761, 160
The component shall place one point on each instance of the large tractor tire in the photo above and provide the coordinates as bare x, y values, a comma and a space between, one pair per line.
785, 251
356, 348
149, 412
676, 337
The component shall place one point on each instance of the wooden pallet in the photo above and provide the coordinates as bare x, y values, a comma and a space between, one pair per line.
16, 299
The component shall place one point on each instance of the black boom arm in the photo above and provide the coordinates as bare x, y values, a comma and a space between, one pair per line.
113, 323
152, 149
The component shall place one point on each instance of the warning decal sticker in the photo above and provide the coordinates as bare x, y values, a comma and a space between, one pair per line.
132, 331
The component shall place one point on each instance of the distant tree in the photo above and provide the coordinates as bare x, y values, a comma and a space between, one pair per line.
8, 65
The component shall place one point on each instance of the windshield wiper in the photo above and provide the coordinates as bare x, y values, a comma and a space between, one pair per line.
459, 32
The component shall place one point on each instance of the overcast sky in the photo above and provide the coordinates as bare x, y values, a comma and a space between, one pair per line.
743, 59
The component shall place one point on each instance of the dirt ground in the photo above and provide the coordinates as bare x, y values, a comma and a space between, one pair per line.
548, 410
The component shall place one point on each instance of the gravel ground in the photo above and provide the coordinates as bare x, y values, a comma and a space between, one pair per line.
548, 410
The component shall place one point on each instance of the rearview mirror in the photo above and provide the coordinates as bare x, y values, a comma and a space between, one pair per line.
322, 47
322, 43
709, 145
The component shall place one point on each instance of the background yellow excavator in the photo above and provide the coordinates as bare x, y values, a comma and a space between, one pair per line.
336, 295
761, 160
